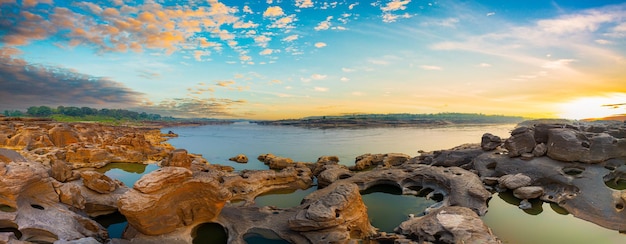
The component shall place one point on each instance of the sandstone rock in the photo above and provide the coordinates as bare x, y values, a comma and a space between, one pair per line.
522, 140
162, 178
62, 135
250, 184
395, 159
514, 181
178, 158
328, 160
280, 163
577, 187
61, 171
570, 145
366, 161
338, 207
448, 225
489, 142
448, 158
169, 198
71, 195
331, 173
29, 138
528, 192
527, 156
540, 150
241, 158
88, 156
98, 182
38, 215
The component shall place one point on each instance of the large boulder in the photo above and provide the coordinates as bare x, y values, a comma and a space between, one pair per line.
169, 198
451, 224
522, 141
572, 145
336, 212
489, 142
98, 182
61, 171
240, 158
178, 158
62, 135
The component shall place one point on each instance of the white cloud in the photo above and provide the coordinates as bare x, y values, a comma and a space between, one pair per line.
558, 64
603, 41
395, 5
318, 77
266, 51
320, 45
262, 41
321, 89
484, 65
449, 22
291, 38
348, 70
351, 6
344, 79
430, 67
324, 25
491, 13
390, 18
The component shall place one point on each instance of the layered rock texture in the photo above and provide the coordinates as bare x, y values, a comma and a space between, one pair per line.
49, 189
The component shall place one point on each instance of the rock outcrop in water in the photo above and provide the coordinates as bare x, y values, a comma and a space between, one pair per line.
48, 186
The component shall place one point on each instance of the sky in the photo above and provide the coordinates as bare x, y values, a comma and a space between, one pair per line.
279, 59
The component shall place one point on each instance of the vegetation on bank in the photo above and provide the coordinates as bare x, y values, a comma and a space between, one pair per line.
457, 118
104, 115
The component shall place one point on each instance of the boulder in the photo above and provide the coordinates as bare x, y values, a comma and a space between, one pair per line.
522, 140
241, 158
540, 150
489, 142
571, 145
452, 224
61, 171
178, 158
169, 198
162, 178
515, 181
280, 163
528, 192
337, 212
62, 135
70, 194
328, 160
98, 182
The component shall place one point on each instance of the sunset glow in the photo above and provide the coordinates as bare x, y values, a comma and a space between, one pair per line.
594, 107
275, 59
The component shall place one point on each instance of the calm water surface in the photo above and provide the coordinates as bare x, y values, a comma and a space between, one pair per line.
386, 208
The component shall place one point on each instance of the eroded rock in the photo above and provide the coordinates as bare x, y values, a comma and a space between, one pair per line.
448, 225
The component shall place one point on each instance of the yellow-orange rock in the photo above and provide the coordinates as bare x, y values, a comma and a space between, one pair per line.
169, 198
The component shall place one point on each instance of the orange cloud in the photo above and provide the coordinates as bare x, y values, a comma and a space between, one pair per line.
273, 11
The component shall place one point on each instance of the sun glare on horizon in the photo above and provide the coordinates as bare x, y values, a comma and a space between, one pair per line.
594, 107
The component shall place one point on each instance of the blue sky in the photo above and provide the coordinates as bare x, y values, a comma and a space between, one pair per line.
290, 59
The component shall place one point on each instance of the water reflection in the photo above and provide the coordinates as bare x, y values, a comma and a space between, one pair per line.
285, 198
387, 207
536, 204
263, 236
115, 224
128, 173
512, 225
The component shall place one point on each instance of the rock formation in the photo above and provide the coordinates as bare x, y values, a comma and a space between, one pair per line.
48, 188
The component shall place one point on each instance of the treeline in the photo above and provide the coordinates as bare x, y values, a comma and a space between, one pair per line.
451, 117
119, 114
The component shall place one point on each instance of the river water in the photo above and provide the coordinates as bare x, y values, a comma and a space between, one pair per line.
386, 207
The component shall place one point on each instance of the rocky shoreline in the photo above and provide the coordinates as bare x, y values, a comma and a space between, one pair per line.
50, 193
